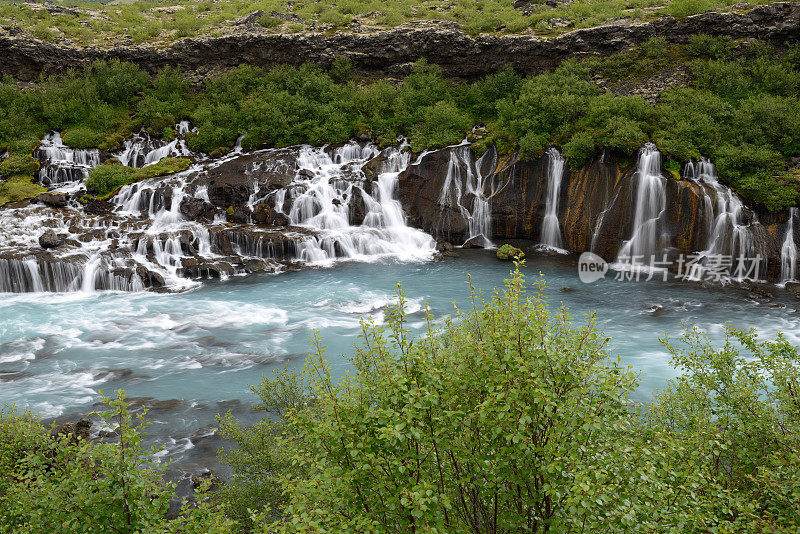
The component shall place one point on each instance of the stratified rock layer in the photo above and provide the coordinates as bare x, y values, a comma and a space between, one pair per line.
391, 52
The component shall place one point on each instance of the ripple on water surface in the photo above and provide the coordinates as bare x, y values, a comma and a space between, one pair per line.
207, 345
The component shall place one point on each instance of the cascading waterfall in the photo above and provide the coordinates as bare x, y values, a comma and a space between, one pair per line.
465, 180
551, 227
649, 209
729, 235
789, 250
61, 164
142, 150
321, 197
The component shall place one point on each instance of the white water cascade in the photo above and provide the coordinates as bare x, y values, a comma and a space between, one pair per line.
466, 181
551, 228
650, 204
789, 250
729, 235
142, 150
61, 164
322, 197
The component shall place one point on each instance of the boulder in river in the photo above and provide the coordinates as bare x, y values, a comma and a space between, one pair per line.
78, 430
50, 239
475, 242
509, 252
54, 200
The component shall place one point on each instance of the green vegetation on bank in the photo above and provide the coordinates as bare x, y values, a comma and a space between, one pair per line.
512, 417
741, 108
16, 178
62, 484
508, 417
106, 179
89, 22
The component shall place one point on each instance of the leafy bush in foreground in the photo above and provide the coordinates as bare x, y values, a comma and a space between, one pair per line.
513, 418
509, 418
64, 484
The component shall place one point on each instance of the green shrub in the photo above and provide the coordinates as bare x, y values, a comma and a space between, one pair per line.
117, 82
686, 8
477, 416
268, 21
341, 69
580, 148
442, 124
106, 179
512, 418
728, 426
65, 484
19, 165
82, 137
704, 45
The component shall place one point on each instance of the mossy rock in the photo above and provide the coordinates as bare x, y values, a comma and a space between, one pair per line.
82, 137
509, 252
106, 180
19, 165
18, 188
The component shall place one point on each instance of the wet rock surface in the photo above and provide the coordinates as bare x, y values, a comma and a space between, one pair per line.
50, 239
54, 200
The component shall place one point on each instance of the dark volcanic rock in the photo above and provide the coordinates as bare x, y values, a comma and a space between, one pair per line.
197, 209
55, 200
238, 214
98, 207
50, 239
392, 51
420, 188
358, 209
77, 430
229, 191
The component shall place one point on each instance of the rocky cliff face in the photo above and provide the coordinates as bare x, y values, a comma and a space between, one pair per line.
282, 208
597, 209
391, 52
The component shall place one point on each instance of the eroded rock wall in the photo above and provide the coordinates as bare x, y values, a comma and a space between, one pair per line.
391, 52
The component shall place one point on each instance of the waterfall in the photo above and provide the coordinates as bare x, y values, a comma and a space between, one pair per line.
61, 164
729, 234
465, 180
142, 150
789, 250
649, 208
335, 212
551, 228
31, 275
323, 194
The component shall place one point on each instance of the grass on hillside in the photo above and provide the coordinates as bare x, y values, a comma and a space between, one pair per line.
89, 22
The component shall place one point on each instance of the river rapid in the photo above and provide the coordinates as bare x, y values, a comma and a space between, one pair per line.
193, 354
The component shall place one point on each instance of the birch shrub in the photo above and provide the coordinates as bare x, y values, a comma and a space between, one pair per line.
509, 417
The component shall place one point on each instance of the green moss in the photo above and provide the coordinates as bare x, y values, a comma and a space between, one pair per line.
82, 137
105, 180
509, 252
674, 168
18, 188
19, 165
